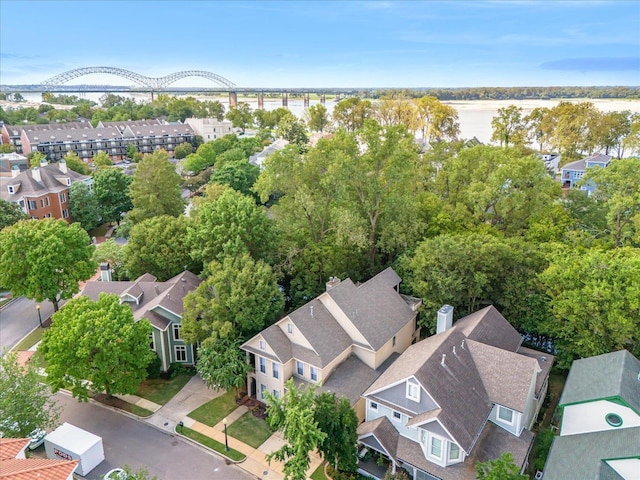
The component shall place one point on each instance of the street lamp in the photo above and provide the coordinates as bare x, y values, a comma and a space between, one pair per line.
226, 441
39, 316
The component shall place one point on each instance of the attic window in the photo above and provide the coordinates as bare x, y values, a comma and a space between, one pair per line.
413, 391
613, 419
10, 188
262, 345
289, 328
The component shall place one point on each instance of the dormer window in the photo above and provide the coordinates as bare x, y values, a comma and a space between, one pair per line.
505, 415
10, 188
413, 391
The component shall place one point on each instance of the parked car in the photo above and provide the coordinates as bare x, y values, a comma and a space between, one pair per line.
116, 474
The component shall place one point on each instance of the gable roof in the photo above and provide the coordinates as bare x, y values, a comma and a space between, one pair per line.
375, 308
11, 447
37, 468
614, 374
150, 294
384, 433
460, 368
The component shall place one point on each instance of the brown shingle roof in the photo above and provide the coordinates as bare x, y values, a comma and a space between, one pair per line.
52, 179
382, 429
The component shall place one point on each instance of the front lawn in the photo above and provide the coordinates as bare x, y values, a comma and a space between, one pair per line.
213, 444
160, 391
122, 405
215, 410
318, 474
250, 429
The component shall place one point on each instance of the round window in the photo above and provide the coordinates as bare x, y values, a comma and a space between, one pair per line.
614, 419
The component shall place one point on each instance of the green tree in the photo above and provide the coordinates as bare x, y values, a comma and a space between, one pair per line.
36, 159
509, 127
83, 206
155, 188
222, 364
182, 150
111, 191
74, 163
351, 113
240, 116
25, 402
618, 189
131, 150
238, 175
339, 422
10, 213
594, 301
101, 160
317, 118
113, 254
238, 298
294, 416
159, 246
99, 342
293, 130
436, 120
229, 226
502, 468
53, 257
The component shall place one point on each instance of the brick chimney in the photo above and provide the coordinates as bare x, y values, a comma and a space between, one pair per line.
35, 173
62, 165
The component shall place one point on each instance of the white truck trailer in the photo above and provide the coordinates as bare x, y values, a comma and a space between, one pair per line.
68, 442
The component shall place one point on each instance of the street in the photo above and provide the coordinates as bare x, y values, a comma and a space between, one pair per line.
130, 442
19, 318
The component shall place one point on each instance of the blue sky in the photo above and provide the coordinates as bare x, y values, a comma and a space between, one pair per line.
328, 44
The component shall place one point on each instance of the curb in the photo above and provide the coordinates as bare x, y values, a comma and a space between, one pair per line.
228, 460
9, 302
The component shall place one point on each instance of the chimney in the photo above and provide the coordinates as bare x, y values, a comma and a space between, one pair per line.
445, 318
105, 272
43, 162
35, 173
15, 171
62, 165
333, 281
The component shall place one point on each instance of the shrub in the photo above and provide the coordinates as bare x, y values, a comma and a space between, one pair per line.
154, 368
545, 438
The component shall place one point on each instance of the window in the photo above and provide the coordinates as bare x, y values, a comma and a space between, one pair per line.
63, 197
276, 393
263, 389
42, 203
613, 419
454, 451
276, 370
46, 201
314, 374
263, 365
436, 447
262, 345
65, 213
289, 327
373, 406
300, 368
11, 189
181, 353
33, 205
505, 414
176, 331
152, 343
413, 391
397, 416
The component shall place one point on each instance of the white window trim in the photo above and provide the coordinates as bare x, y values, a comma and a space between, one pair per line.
396, 419
415, 398
373, 406
275, 370
262, 362
433, 438
182, 348
313, 372
298, 365
153, 342
289, 327
262, 345
451, 446
176, 331
500, 419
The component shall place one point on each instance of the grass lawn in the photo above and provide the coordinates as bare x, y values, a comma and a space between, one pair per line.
160, 391
250, 429
30, 340
318, 474
215, 410
213, 444
122, 405
99, 231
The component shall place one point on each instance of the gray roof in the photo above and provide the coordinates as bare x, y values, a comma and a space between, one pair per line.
383, 431
151, 294
55, 126
157, 130
476, 351
123, 125
327, 338
350, 379
613, 374
52, 180
506, 375
580, 457
72, 134
375, 307
581, 165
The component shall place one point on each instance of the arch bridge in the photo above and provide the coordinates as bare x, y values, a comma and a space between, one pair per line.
153, 83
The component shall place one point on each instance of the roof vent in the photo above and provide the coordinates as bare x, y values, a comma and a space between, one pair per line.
84, 135
155, 287
311, 307
462, 344
444, 356
454, 349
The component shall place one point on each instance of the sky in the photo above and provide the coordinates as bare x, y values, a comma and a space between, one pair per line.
317, 44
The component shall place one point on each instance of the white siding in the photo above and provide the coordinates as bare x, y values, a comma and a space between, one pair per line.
590, 417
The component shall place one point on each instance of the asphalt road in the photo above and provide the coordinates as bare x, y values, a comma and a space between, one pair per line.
127, 441
19, 318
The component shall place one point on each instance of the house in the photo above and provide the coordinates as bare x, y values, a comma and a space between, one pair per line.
600, 429
15, 466
462, 396
158, 302
210, 128
259, 158
552, 162
340, 341
42, 192
574, 171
